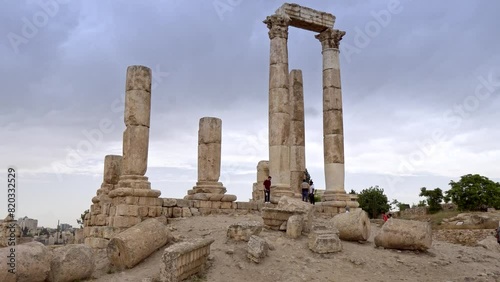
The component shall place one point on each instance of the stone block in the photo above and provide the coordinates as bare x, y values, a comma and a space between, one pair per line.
195, 211
216, 205
182, 203
242, 231
147, 201
176, 212
226, 205
71, 263
125, 221
294, 226
184, 259
96, 243
143, 211
257, 249
131, 200
228, 198
186, 212
100, 220
169, 202
324, 241
112, 169
205, 204
152, 212
167, 212
127, 210
307, 18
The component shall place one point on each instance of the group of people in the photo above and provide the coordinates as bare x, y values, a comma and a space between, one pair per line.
307, 190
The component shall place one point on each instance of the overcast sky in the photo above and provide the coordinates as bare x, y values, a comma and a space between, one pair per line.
420, 83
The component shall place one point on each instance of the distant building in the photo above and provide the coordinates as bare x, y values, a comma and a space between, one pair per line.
30, 223
65, 226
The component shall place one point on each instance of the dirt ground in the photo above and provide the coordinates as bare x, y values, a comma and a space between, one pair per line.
291, 261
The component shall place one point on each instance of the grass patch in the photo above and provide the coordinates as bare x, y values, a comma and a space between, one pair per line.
435, 219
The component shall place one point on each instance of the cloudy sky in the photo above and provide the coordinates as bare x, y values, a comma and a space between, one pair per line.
420, 84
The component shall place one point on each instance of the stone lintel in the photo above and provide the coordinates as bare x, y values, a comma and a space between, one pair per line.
307, 18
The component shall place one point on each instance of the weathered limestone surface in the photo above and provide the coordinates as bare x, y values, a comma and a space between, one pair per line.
262, 174
209, 149
137, 116
242, 231
297, 131
307, 18
333, 133
274, 218
32, 263
405, 235
71, 263
131, 246
353, 226
208, 187
299, 207
184, 259
324, 241
279, 105
257, 249
9, 229
294, 226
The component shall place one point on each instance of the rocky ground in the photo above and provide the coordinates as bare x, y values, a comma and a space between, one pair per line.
290, 260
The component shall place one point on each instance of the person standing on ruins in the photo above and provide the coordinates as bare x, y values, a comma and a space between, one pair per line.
311, 192
305, 190
267, 190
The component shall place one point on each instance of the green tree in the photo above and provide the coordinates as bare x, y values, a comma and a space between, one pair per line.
474, 192
373, 201
352, 192
82, 218
400, 206
434, 198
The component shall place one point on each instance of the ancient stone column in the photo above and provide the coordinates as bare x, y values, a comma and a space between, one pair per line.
279, 106
262, 174
297, 131
136, 135
209, 156
333, 133
132, 199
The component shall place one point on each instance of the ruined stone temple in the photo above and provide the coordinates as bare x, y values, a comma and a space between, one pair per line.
125, 197
286, 109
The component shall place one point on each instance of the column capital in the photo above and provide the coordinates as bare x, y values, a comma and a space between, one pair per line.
278, 25
330, 38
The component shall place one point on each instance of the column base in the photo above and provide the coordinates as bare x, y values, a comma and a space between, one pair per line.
208, 187
134, 182
339, 199
280, 190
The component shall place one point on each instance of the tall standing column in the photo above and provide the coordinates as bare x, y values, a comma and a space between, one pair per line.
209, 156
136, 135
279, 106
333, 132
297, 131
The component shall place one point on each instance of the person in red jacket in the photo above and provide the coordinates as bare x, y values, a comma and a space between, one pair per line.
384, 217
267, 190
